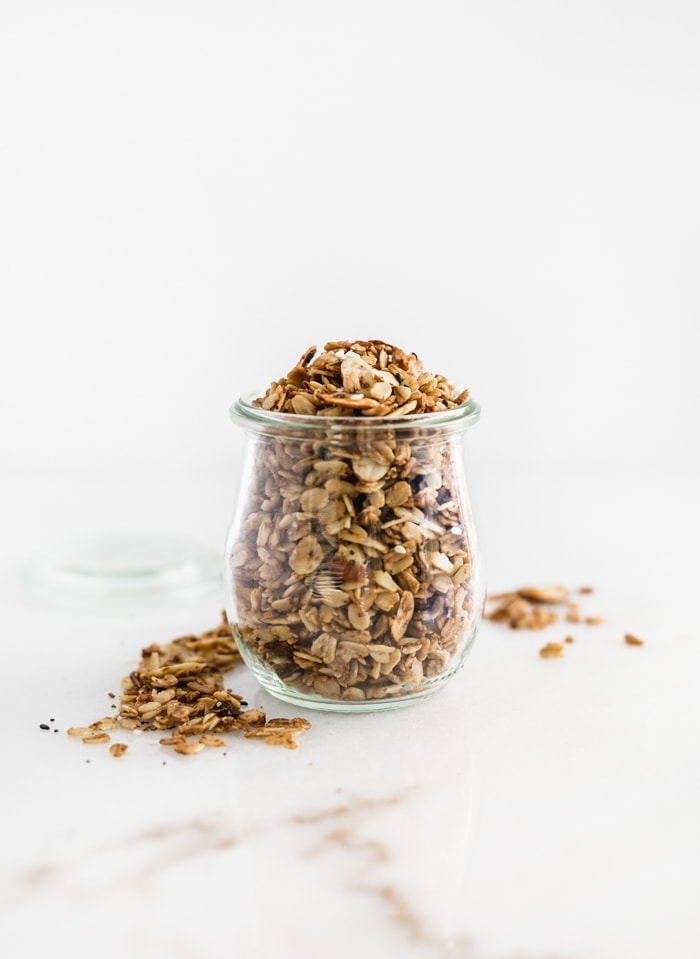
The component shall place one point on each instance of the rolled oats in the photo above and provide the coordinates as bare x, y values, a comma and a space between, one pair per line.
552, 651
179, 688
353, 571
525, 609
530, 608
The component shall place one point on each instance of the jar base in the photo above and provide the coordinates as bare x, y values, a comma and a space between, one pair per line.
287, 694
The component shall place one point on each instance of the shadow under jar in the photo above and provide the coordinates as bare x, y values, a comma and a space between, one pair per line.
353, 576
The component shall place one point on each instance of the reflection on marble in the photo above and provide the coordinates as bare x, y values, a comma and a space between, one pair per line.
366, 853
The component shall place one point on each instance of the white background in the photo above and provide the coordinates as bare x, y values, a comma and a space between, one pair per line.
192, 193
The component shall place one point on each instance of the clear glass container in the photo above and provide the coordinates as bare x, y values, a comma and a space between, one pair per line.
353, 577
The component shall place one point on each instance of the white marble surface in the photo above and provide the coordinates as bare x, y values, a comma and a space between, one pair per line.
532, 810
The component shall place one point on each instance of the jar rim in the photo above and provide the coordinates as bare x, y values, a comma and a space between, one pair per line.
244, 414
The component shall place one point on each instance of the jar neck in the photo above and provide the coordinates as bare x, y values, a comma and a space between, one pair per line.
429, 427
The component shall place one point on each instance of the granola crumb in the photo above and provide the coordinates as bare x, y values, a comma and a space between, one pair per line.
594, 620
118, 749
552, 651
569, 639
633, 640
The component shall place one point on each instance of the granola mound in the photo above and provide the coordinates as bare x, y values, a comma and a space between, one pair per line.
360, 378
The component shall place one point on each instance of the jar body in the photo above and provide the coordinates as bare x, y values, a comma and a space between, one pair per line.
353, 575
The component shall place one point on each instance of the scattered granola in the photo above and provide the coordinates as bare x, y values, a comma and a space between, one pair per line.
353, 573
527, 608
530, 608
524, 609
179, 688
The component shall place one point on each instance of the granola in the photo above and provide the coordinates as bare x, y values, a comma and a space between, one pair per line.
178, 688
353, 572
537, 608
360, 378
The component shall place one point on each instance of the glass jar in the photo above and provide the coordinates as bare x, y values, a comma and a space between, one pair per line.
353, 576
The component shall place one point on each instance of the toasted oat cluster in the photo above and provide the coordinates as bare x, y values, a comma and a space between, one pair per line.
360, 378
353, 571
539, 608
530, 607
179, 688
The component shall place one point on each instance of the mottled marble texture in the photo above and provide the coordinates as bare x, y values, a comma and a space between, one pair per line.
532, 810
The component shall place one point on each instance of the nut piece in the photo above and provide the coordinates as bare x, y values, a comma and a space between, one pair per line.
632, 640
118, 749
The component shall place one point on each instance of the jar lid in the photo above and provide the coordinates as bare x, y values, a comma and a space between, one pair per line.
113, 567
